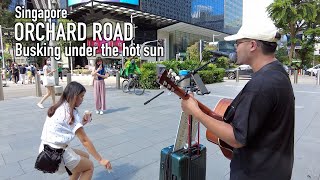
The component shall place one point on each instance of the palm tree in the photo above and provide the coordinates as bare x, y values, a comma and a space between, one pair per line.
292, 17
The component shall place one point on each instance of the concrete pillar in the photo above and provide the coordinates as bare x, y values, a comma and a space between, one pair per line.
118, 80
68, 78
237, 75
38, 85
1, 89
295, 77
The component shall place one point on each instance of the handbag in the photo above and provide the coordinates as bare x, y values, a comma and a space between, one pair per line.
49, 160
48, 81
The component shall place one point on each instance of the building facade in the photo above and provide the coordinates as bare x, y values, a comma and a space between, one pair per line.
222, 16
180, 23
219, 15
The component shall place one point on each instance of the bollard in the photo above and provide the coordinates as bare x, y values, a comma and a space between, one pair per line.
118, 80
68, 78
38, 86
1, 89
237, 75
58, 90
295, 77
318, 77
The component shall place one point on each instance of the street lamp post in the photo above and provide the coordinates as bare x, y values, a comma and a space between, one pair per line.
2, 51
143, 44
134, 28
71, 60
52, 5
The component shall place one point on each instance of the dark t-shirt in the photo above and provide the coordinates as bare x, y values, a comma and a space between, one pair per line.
23, 70
15, 70
263, 122
101, 72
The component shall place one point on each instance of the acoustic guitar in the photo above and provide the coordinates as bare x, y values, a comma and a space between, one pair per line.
169, 82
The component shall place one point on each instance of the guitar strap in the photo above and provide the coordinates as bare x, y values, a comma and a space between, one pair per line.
229, 113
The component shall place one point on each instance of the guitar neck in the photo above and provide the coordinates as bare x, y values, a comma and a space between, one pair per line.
166, 80
209, 112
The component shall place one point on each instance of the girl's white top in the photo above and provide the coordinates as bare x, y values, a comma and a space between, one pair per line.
45, 68
56, 129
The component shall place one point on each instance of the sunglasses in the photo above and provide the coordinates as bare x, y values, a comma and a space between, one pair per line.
240, 42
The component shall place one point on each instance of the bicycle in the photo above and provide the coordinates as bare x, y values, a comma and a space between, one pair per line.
138, 88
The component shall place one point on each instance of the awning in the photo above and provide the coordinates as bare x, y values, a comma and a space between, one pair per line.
193, 29
43, 4
95, 11
40, 4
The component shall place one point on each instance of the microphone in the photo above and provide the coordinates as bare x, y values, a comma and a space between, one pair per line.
231, 56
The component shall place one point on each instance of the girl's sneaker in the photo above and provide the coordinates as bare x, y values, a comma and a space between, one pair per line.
40, 105
97, 111
101, 112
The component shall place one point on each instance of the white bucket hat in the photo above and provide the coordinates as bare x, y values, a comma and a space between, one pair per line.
255, 31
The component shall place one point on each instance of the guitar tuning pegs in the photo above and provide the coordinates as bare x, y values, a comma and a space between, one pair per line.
165, 83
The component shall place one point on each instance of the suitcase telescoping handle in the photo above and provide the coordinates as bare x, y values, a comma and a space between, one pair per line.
190, 119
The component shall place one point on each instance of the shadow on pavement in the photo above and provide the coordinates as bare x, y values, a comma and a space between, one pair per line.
118, 172
111, 110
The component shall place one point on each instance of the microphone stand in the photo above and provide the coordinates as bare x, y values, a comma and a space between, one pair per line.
153, 98
193, 72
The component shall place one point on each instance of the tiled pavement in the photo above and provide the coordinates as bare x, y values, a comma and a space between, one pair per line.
132, 135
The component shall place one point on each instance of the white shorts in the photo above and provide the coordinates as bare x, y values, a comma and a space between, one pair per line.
70, 158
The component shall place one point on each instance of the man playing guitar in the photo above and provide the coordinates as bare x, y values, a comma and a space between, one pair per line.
259, 123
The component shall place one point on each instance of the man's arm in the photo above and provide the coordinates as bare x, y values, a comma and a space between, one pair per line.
221, 129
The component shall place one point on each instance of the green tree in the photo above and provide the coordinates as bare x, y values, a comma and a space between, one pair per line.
310, 38
194, 54
282, 55
293, 16
7, 58
6, 17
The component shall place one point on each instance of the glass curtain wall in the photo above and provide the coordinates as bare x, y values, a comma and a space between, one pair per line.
233, 16
220, 15
208, 13
180, 41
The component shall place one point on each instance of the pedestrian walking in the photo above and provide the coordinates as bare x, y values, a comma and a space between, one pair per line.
48, 82
60, 71
15, 73
23, 71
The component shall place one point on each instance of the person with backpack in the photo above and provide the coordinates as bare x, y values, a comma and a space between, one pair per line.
23, 71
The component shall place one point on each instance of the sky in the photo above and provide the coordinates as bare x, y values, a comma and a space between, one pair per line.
255, 11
